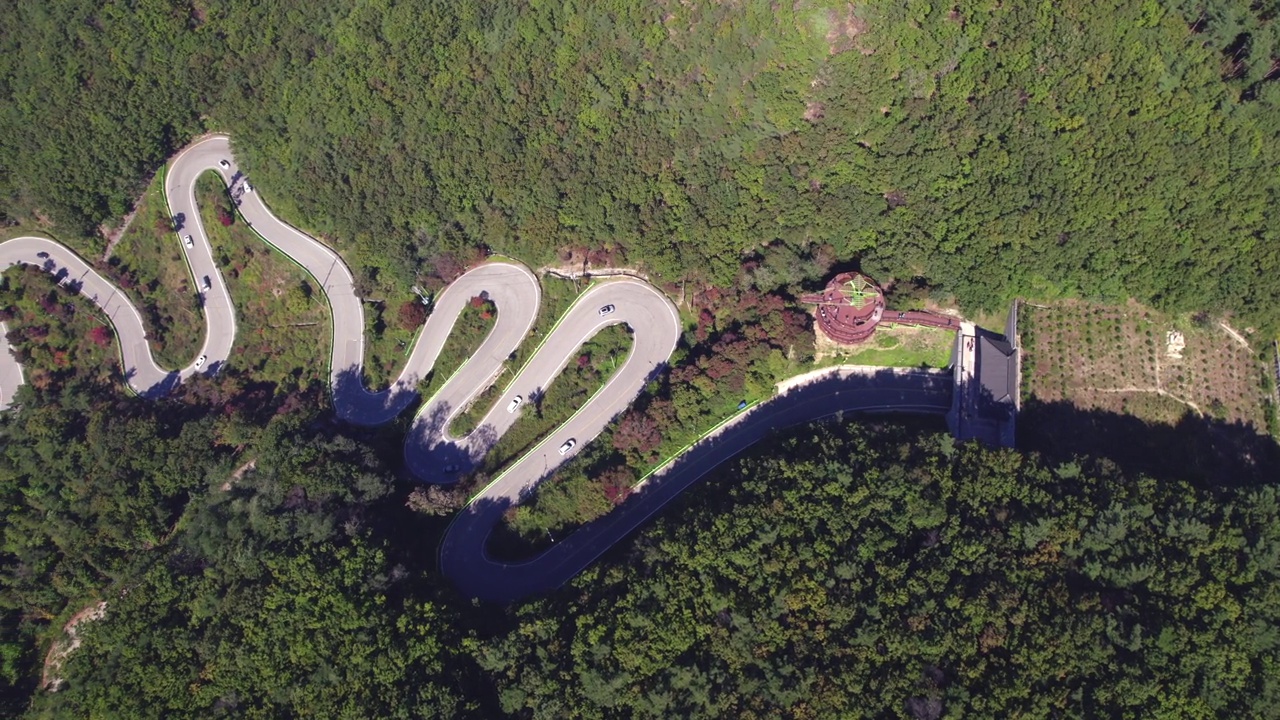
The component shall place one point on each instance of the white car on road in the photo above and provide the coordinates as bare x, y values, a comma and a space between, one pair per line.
515, 403
200, 363
568, 445
189, 242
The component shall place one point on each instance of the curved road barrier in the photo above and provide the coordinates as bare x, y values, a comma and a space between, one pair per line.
430, 451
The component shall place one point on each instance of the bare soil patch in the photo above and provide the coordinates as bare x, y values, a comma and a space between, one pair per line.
843, 29
61, 649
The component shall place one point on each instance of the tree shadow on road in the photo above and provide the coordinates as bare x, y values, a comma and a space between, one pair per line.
356, 404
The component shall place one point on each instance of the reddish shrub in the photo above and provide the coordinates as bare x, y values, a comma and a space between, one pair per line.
100, 335
412, 315
616, 484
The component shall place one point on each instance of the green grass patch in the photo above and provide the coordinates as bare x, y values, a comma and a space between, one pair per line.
283, 329
387, 342
467, 420
558, 295
898, 346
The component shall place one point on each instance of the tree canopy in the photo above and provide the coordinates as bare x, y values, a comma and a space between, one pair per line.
1104, 149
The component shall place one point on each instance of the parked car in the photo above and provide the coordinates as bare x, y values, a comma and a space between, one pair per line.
200, 362
190, 243
224, 164
206, 285
247, 187
515, 403
606, 310
568, 445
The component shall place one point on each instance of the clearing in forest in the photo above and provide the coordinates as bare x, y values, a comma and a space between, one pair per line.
1137, 361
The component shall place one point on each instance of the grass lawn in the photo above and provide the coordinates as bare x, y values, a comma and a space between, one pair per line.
892, 346
283, 329
387, 343
147, 264
557, 296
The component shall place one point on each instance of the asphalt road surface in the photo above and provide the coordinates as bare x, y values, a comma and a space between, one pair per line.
430, 452
465, 560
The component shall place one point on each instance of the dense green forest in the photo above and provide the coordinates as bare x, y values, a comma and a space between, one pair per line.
979, 149
265, 565
260, 559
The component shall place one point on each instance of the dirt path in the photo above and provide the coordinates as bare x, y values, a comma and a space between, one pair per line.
113, 236
576, 273
239, 473
1235, 335
61, 649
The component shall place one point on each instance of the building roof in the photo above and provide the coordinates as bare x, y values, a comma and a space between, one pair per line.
997, 371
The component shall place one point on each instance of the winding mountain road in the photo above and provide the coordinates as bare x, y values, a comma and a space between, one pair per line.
431, 452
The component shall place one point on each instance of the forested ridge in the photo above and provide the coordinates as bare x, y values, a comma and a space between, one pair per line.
262, 564
1107, 149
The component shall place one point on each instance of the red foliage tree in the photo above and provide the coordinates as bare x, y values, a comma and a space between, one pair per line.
616, 483
100, 335
225, 216
412, 315
637, 431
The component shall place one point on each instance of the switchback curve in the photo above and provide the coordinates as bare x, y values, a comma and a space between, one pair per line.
430, 452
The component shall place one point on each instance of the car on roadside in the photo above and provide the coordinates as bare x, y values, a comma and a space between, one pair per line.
606, 310
200, 362
224, 164
515, 403
42, 255
189, 242
206, 284
247, 187
568, 445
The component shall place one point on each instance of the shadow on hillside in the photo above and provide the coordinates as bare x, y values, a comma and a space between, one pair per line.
1196, 449
358, 405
